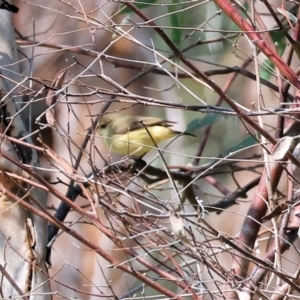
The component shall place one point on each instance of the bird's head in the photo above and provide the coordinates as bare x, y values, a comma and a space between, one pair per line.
105, 125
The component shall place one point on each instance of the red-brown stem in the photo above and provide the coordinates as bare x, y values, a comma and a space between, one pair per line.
255, 37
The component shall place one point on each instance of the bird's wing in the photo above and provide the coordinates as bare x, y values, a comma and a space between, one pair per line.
129, 124
141, 122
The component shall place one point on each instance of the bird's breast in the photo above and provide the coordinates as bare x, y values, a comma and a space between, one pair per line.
139, 141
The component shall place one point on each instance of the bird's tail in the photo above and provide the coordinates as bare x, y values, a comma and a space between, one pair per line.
185, 133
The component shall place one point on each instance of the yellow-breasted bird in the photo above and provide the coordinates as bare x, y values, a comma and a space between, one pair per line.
127, 134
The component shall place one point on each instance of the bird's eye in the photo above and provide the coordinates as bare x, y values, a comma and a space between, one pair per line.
103, 126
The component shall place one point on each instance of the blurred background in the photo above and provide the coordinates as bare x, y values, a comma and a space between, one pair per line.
104, 48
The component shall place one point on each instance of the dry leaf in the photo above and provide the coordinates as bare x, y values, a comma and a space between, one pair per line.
282, 147
243, 295
177, 226
52, 96
294, 168
276, 212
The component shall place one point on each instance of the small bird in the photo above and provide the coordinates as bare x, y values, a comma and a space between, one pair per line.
134, 135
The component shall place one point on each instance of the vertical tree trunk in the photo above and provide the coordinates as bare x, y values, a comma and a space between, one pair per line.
23, 237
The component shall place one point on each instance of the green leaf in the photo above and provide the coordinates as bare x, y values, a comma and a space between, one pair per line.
268, 69
280, 41
176, 33
141, 4
198, 123
175, 15
247, 142
287, 14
